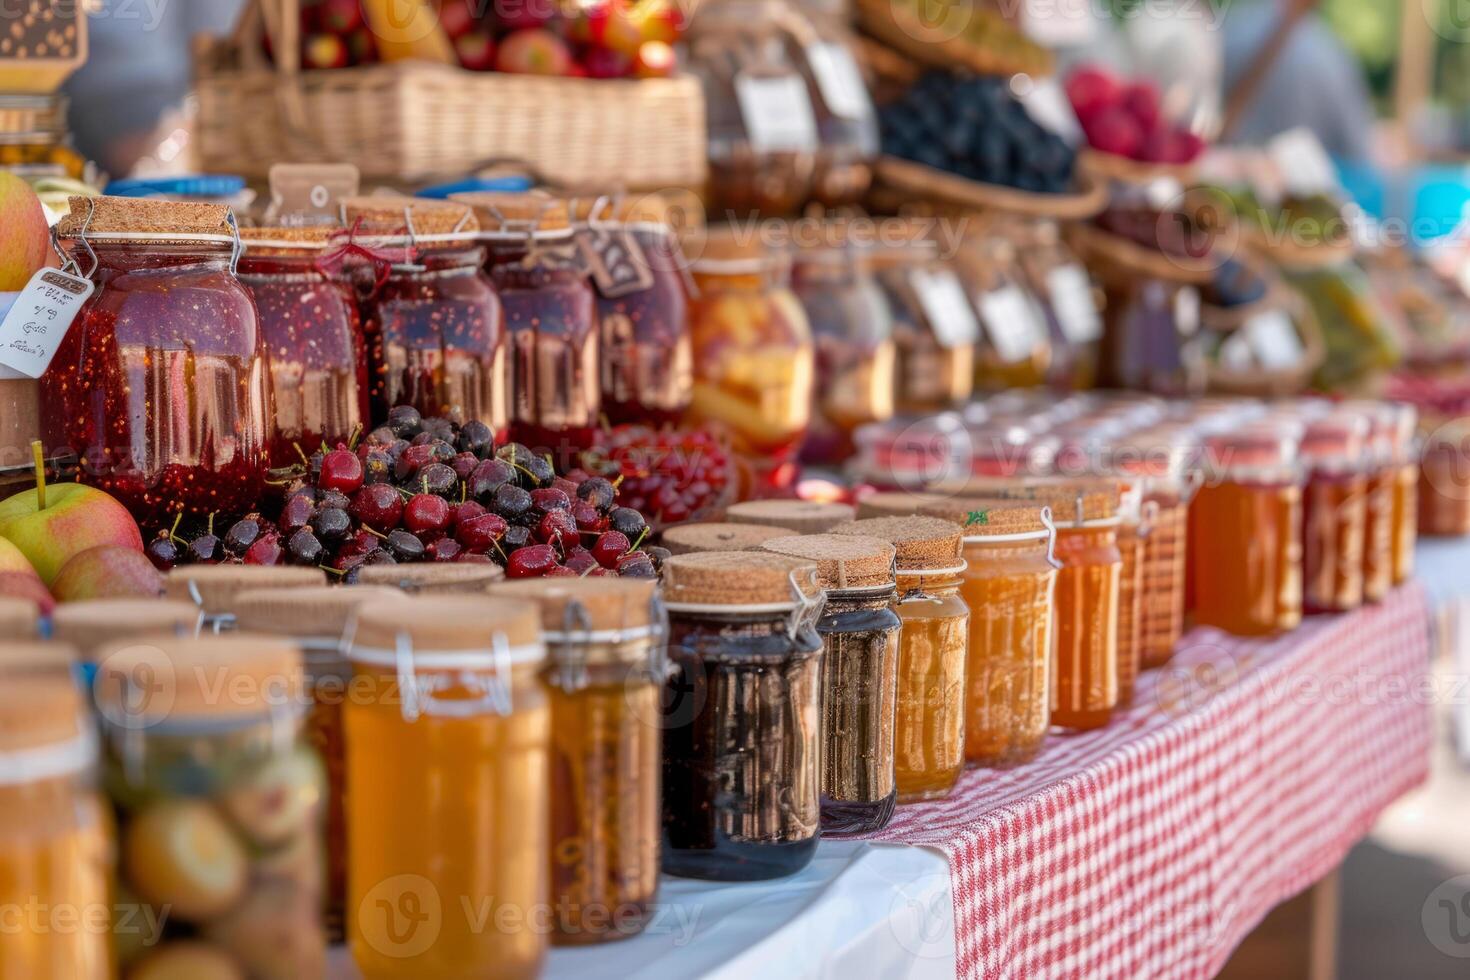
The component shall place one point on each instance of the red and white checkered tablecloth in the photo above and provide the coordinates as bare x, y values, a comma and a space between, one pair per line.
1244, 772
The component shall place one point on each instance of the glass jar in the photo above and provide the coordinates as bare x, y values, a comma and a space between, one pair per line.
1444, 482
1388, 535
159, 386
1146, 322
935, 331
742, 715
1015, 349
853, 330
1069, 301
689, 539
753, 357
606, 673
433, 578
213, 588
321, 621
859, 632
1010, 585
1403, 467
550, 318
218, 801
447, 731
929, 717
1087, 600
1245, 531
1334, 512
435, 328
1133, 531
313, 337
847, 124
33, 138
908, 453
91, 624
56, 847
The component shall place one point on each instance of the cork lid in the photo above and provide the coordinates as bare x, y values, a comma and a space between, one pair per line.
844, 561
1070, 499
19, 618
101, 216
737, 578
25, 656
528, 212
801, 516
39, 708
432, 578
217, 585
688, 539
644, 209
606, 603
277, 240
98, 622
148, 680
447, 624
989, 517
389, 214
894, 503
921, 543
316, 611
723, 249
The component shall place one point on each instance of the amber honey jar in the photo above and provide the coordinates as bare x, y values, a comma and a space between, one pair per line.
1335, 512
1133, 531
1390, 530
797, 516
688, 539
1444, 483
213, 588
933, 642
605, 672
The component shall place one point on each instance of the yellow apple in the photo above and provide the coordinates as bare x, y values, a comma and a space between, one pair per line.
25, 239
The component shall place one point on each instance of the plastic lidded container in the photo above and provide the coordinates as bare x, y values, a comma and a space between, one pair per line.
742, 720
929, 721
1245, 530
1009, 584
299, 279
56, 846
1444, 486
218, 797
434, 325
550, 317
800, 516
606, 673
1334, 512
433, 578
213, 588
448, 736
168, 322
859, 631
688, 539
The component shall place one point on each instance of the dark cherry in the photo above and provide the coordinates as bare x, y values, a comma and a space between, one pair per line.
658, 555
437, 478
445, 549
242, 534
205, 550
466, 511
381, 436
379, 556
266, 550
515, 538
303, 548
464, 464
532, 561
405, 421
333, 498
559, 529
598, 492
636, 565
512, 503
610, 546
481, 533
411, 460
477, 438
549, 499
377, 467
440, 428
331, 524
532, 471
588, 518
627, 522
580, 560
426, 512
341, 470
162, 552
377, 505
488, 477
404, 546
296, 513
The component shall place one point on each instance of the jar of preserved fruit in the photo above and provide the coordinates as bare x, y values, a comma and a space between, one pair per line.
853, 330
550, 318
1069, 301
859, 631
1444, 486
1334, 512
218, 800
606, 673
434, 326
168, 322
929, 717
55, 835
90, 625
1015, 349
1086, 670
797, 516
643, 291
1009, 584
742, 713
1388, 535
433, 578
689, 539
448, 731
753, 356
1245, 531
213, 588
321, 620
33, 138
1404, 464
313, 336
1133, 531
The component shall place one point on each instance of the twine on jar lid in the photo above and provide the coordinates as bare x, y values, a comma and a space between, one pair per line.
19, 618
688, 539
433, 578
99, 622
921, 543
801, 516
532, 214
844, 562
213, 587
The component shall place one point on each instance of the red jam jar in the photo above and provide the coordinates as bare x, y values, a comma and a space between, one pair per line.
160, 384
313, 335
550, 318
434, 326
643, 291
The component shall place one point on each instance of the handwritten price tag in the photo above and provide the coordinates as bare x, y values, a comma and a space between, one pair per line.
946, 307
35, 326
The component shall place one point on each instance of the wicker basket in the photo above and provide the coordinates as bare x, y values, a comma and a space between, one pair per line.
414, 122
920, 181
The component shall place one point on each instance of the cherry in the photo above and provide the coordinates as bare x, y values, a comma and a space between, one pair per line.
341, 470
580, 560
404, 546
445, 549
598, 492
331, 524
437, 478
636, 565
588, 518
627, 522
515, 538
466, 511
381, 436
481, 533
565, 486
205, 549
303, 548
476, 437
514, 504
549, 499
426, 512
377, 467
531, 561
377, 505
558, 528
243, 533
411, 460
405, 421
610, 546
441, 429
162, 552
266, 550
488, 477
464, 464
532, 471
333, 498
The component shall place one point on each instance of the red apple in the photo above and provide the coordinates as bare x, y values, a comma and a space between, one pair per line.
1141, 100
25, 239
602, 62
25, 585
324, 51
524, 15
611, 25
76, 518
475, 50
533, 52
456, 17
1114, 130
107, 572
341, 16
655, 60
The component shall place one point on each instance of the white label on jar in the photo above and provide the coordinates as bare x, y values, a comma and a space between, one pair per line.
1273, 340
839, 80
946, 307
38, 321
777, 112
1011, 323
1073, 303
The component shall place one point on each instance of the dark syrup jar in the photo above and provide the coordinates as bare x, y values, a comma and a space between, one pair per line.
160, 384
550, 319
434, 326
741, 716
313, 336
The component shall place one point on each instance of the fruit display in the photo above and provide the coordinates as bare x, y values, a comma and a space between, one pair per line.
946, 33
976, 129
52, 525
1124, 118
672, 476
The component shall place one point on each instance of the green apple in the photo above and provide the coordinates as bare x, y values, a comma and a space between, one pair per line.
76, 518
25, 239
107, 571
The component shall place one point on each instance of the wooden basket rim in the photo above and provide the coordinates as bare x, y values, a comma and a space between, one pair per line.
925, 181
1111, 166
1144, 261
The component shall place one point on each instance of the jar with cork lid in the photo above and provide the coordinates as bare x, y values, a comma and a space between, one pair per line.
929, 717
433, 578
605, 674
90, 625
742, 716
1335, 511
797, 516
213, 588
859, 632
688, 539
1388, 519
447, 733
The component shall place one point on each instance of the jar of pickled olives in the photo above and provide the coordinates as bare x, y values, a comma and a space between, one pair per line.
435, 328
168, 321
859, 632
56, 846
218, 801
313, 336
606, 673
550, 318
214, 588
753, 356
742, 715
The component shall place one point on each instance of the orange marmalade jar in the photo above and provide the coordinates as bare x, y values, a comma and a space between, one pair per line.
1133, 531
1334, 512
447, 727
1086, 667
1009, 584
1389, 535
1245, 553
